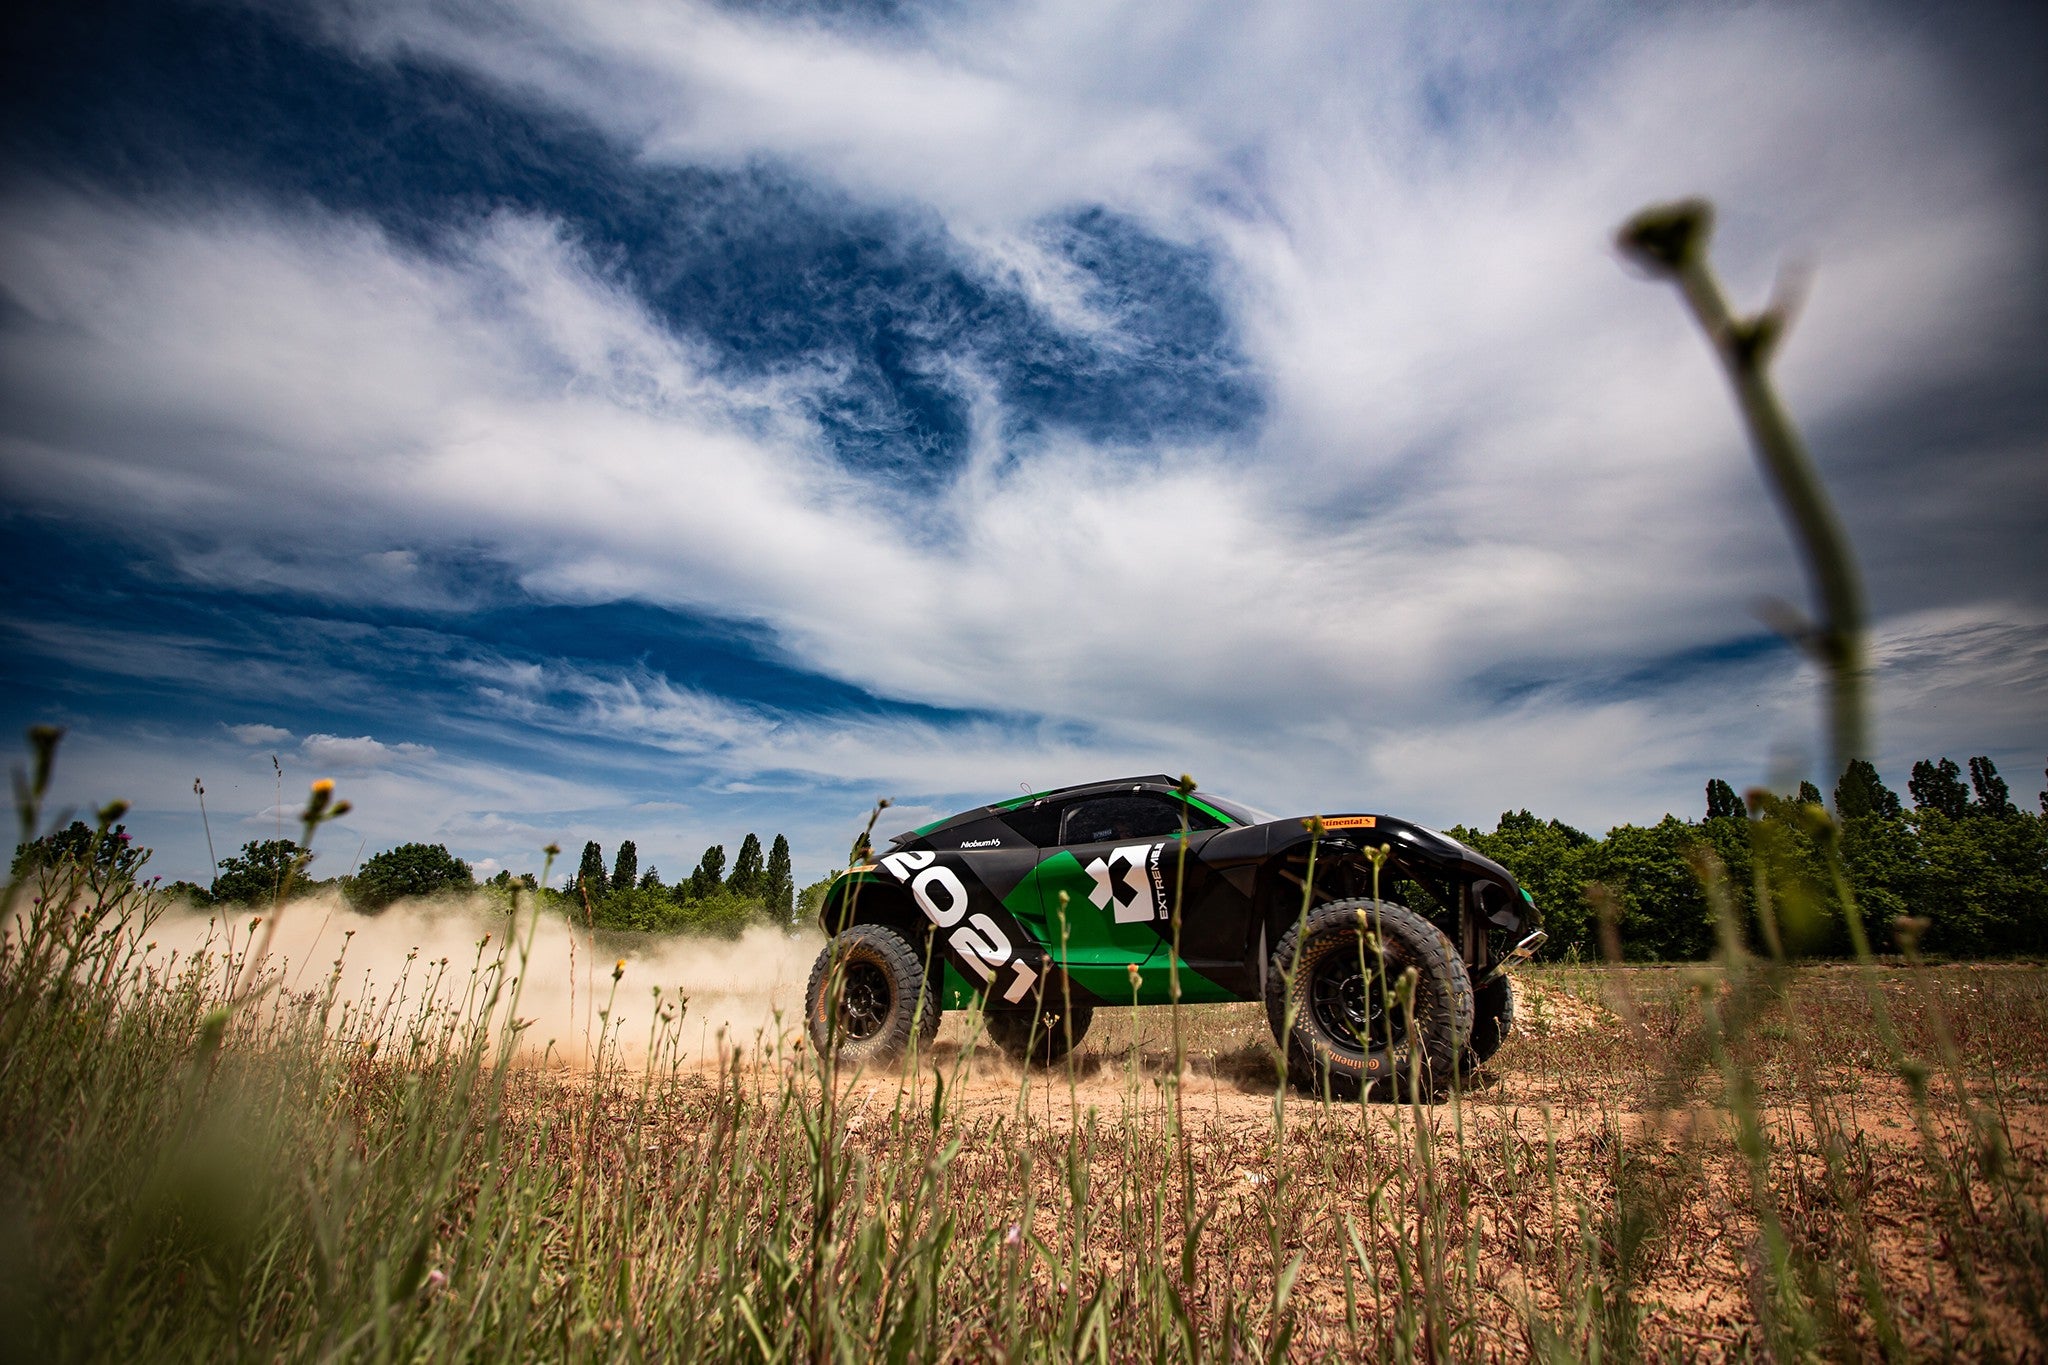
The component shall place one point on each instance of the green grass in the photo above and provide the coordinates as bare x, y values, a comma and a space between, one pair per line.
200, 1163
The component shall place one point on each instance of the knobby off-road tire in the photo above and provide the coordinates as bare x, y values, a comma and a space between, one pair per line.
1331, 1000
1493, 1020
1043, 1039
882, 994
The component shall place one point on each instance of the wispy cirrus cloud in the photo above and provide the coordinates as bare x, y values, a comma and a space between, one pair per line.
1247, 390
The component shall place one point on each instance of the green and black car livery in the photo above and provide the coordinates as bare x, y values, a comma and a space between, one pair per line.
1047, 907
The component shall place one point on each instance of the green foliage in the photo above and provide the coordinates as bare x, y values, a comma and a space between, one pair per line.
1982, 881
1939, 787
1663, 913
810, 902
723, 914
780, 890
640, 909
590, 876
1722, 802
265, 871
1862, 792
1993, 797
1979, 876
709, 876
106, 856
748, 878
408, 870
626, 867
1544, 856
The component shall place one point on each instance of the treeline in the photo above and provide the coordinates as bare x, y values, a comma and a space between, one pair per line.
758, 889
1963, 869
709, 900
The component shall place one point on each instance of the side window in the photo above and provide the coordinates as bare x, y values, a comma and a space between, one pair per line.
1038, 824
1137, 816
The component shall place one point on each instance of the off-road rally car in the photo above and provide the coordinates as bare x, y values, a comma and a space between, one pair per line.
1048, 907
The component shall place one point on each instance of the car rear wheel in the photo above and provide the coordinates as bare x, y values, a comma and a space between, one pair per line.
1334, 998
1043, 1038
868, 997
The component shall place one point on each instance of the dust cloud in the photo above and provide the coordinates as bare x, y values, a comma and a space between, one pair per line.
435, 954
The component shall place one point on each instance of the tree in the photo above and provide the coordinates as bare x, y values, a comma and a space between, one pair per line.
1993, 797
409, 870
1545, 856
640, 909
1862, 792
1809, 795
106, 858
267, 870
590, 877
626, 868
1939, 787
810, 902
1722, 802
781, 883
1664, 912
747, 878
650, 880
710, 874
1982, 884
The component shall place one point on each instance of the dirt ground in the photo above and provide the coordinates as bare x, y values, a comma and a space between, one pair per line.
1573, 1120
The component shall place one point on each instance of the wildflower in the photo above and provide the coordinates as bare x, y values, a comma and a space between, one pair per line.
1012, 1235
325, 787
619, 970
1136, 980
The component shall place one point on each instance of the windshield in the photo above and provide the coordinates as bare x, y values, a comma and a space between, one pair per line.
1236, 810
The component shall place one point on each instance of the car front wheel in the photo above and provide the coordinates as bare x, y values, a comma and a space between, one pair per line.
1338, 1001
868, 997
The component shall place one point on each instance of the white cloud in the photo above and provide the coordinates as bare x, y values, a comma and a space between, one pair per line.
360, 752
1489, 451
258, 734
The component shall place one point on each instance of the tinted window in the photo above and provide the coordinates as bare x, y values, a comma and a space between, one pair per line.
1037, 824
1128, 817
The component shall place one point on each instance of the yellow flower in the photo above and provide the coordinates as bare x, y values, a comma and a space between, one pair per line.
324, 787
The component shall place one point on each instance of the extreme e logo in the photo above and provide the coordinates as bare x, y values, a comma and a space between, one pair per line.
1131, 879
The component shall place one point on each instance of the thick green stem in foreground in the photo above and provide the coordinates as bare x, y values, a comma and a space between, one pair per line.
1670, 240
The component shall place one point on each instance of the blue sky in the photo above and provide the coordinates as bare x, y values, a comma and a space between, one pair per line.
668, 420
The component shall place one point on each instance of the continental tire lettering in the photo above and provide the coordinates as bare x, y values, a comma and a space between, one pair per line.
984, 946
944, 880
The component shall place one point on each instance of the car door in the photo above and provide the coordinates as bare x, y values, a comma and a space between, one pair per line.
1118, 860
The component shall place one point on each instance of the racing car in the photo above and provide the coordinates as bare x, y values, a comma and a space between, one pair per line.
1380, 948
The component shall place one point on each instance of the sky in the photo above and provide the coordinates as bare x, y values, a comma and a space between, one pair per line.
667, 420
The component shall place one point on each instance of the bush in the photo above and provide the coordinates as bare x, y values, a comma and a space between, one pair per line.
641, 909
408, 870
267, 870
